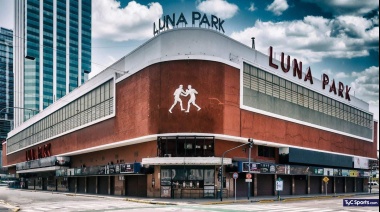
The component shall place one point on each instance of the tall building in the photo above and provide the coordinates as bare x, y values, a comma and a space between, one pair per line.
6, 82
53, 54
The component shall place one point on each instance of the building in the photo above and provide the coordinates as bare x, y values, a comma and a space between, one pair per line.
6, 83
54, 52
162, 120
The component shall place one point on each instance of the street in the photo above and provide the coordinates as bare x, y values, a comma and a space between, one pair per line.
33, 201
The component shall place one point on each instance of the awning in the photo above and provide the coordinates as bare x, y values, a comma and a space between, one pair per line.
44, 169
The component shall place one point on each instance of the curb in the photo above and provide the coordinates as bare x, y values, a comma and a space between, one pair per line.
150, 202
225, 202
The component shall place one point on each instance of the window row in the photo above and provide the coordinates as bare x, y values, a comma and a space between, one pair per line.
277, 87
92, 106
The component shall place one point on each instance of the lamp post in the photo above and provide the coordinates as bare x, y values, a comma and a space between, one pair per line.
221, 168
250, 142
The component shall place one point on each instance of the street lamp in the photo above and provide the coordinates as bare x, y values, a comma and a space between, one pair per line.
250, 143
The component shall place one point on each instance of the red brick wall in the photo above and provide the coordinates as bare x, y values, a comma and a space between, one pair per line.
143, 101
266, 128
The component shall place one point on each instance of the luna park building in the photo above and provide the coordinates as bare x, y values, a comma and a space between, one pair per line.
162, 120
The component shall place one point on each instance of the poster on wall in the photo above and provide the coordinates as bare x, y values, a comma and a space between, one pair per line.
337, 172
255, 167
299, 170
267, 168
360, 163
317, 171
345, 172
126, 168
282, 169
354, 173
165, 191
328, 172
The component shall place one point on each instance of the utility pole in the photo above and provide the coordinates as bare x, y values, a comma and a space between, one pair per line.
250, 143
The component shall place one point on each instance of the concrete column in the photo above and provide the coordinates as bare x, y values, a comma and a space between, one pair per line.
109, 185
76, 184
345, 184
254, 185
85, 184
334, 185
308, 183
274, 183
293, 186
322, 187
96, 185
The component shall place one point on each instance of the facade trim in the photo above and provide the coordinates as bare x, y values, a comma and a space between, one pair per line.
153, 137
186, 161
45, 169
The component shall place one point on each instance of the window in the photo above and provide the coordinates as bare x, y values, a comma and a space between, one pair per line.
264, 151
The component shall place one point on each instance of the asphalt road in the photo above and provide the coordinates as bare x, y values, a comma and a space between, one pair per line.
33, 201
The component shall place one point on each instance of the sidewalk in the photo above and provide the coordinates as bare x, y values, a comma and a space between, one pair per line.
261, 199
213, 201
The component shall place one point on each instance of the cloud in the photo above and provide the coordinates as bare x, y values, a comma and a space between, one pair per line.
366, 84
133, 22
346, 7
220, 8
315, 38
278, 7
252, 7
342, 75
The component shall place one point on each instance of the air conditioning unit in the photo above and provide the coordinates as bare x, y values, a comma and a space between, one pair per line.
167, 155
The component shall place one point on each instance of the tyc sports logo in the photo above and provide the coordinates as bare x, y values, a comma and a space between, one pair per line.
361, 202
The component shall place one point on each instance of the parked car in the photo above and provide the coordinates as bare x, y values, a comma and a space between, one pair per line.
374, 183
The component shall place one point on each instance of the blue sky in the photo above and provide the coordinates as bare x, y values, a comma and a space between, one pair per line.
337, 37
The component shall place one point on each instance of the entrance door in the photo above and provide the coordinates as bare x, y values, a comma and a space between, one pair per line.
136, 185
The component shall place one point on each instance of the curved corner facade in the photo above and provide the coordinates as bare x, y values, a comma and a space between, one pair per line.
162, 121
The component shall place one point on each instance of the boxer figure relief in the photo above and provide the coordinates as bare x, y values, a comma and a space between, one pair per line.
177, 93
191, 91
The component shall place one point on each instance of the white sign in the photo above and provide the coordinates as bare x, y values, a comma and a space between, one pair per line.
248, 180
235, 175
180, 92
279, 185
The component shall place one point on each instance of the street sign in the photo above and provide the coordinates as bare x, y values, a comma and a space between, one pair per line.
248, 176
235, 175
248, 180
326, 179
279, 184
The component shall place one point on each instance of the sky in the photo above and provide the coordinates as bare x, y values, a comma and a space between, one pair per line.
336, 37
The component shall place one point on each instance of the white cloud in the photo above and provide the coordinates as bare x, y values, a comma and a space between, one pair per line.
252, 7
349, 7
342, 75
366, 84
314, 38
278, 7
6, 14
220, 8
135, 21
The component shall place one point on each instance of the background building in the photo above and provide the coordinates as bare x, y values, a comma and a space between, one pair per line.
53, 53
6, 82
124, 132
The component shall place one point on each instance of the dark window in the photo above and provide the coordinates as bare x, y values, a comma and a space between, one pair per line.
265, 151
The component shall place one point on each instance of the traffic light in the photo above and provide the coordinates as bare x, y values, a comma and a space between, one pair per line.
220, 172
250, 141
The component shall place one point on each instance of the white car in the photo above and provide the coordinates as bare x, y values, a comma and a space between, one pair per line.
373, 183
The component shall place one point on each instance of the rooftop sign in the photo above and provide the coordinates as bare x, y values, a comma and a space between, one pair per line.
196, 19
